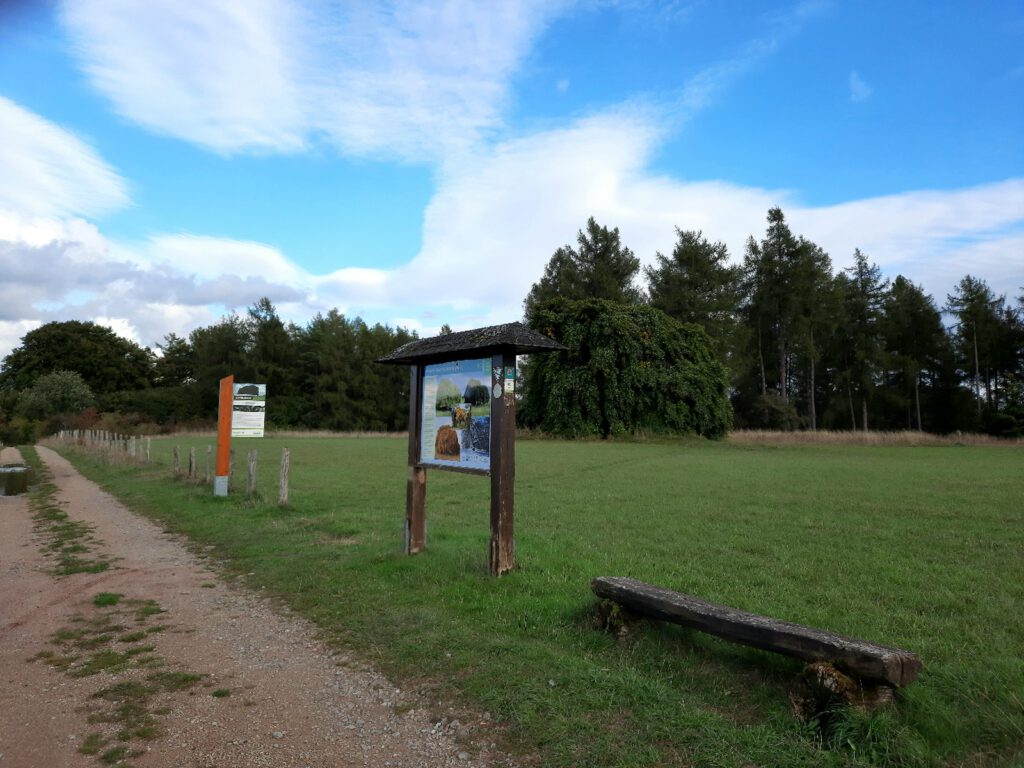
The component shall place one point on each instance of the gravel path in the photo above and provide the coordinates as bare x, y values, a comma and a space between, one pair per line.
291, 700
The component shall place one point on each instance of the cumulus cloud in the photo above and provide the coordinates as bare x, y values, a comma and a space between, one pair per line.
50, 172
398, 78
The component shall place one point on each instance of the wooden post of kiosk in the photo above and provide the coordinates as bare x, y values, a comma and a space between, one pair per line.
220, 480
416, 486
495, 347
502, 557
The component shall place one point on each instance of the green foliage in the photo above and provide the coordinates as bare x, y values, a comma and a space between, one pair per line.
60, 392
601, 268
106, 362
770, 411
628, 368
697, 285
176, 364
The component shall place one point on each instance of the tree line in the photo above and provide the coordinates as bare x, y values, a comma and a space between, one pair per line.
807, 346
319, 376
694, 342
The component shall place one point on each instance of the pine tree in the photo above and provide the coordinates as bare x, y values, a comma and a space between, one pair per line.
864, 295
697, 285
600, 268
914, 339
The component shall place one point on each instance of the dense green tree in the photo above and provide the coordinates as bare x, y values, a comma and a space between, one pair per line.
600, 268
914, 339
176, 364
864, 292
816, 311
59, 392
769, 272
789, 309
627, 368
341, 383
220, 350
977, 332
105, 361
697, 285
273, 357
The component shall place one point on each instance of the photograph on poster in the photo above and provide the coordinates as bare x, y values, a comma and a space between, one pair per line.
456, 414
248, 410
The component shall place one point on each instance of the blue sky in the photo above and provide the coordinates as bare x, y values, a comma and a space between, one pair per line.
163, 163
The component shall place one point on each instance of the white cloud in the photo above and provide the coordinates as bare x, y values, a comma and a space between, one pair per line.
48, 171
859, 90
220, 74
398, 78
488, 233
212, 257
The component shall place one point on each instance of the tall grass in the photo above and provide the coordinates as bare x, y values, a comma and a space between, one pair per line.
921, 548
836, 437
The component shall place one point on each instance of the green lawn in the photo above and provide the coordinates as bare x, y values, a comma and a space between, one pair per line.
922, 548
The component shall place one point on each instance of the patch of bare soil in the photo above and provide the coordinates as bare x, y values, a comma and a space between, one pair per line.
270, 693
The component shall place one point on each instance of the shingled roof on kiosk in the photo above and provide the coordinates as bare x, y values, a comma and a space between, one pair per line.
510, 337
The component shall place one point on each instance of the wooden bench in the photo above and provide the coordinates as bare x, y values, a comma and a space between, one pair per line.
874, 664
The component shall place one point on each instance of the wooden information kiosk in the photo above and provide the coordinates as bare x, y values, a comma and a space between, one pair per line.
462, 418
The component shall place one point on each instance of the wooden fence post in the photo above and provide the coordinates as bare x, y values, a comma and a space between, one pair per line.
193, 470
147, 449
250, 486
209, 452
177, 462
282, 492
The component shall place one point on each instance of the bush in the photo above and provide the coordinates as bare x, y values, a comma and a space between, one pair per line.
57, 392
770, 411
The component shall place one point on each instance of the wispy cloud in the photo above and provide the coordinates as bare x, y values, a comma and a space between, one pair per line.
398, 78
705, 86
859, 90
48, 171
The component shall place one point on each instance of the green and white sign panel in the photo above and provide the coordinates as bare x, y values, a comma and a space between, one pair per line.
456, 415
248, 410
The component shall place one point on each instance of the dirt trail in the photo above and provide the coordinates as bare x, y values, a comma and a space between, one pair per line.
291, 702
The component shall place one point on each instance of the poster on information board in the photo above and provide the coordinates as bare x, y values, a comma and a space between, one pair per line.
456, 415
248, 410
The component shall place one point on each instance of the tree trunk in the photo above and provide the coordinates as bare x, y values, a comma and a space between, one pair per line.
917, 399
813, 406
977, 371
864, 411
853, 415
782, 367
760, 359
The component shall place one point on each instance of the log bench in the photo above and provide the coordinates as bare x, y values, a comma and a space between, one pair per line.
875, 665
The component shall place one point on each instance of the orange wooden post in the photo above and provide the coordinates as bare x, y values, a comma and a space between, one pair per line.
220, 481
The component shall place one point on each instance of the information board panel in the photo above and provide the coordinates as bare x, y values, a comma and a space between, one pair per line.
248, 410
456, 415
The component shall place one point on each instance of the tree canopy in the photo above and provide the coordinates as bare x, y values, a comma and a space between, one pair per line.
600, 268
105, 361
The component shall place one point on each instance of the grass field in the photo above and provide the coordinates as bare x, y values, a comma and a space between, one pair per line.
921, 548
